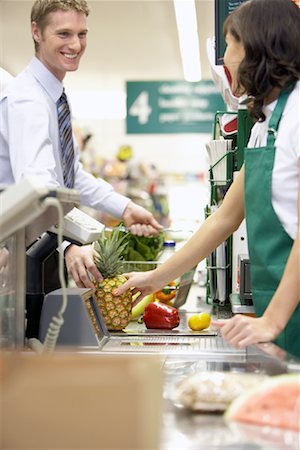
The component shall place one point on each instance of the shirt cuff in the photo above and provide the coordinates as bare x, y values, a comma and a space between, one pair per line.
115, 204
64, 246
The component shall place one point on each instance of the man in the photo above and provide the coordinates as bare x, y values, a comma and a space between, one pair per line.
31, 140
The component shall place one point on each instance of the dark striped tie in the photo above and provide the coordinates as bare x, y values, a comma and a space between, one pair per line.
66, 140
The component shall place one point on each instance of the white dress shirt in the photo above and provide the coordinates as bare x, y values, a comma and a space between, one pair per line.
29, 140
285, 176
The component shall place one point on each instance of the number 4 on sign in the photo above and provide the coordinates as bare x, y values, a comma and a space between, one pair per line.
141, 108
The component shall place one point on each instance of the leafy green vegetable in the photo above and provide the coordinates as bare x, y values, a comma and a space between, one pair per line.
142, 248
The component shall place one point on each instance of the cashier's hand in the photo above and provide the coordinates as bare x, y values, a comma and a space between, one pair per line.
80, 265
140, 221
143, 282
240, 330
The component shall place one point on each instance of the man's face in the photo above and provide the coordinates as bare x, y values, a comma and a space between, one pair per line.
62, 42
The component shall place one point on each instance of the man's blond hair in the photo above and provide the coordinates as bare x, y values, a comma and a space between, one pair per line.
42, 8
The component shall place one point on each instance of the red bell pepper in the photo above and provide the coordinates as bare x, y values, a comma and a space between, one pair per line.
161, 316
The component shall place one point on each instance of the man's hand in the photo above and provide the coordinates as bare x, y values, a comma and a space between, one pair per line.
80, 263
140, 221
80, 260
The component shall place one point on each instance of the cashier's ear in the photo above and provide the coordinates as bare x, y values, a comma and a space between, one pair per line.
36, 34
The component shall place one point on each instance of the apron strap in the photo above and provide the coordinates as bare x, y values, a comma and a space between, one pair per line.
277, 114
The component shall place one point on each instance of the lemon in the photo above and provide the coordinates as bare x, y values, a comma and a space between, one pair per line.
199, 322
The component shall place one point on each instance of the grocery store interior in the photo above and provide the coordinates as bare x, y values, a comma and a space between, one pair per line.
137, 387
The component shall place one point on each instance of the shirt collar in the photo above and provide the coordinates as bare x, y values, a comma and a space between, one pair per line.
268, 109
48, 81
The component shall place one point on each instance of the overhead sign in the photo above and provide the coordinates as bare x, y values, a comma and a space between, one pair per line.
172, 106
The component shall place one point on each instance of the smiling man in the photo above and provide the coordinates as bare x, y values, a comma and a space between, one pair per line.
60, 35
36, 137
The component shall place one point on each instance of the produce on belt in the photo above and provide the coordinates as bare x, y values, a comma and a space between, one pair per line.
138, 306
166, 294
116, 310
161, 316
273, 403
142, 248
212, 390
199, 322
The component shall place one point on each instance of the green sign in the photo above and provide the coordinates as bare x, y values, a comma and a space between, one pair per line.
172, 106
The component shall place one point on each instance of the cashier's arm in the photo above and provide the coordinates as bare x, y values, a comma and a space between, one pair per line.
241, 330
210, 235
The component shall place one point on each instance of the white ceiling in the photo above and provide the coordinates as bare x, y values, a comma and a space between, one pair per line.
128, 40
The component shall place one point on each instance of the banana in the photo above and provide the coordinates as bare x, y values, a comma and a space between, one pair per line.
140, 306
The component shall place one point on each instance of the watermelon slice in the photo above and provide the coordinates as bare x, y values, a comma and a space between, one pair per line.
274, 403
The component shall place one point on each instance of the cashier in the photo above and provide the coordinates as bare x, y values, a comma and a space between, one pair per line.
263, 57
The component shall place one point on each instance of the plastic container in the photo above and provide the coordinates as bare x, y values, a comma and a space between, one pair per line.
169, 248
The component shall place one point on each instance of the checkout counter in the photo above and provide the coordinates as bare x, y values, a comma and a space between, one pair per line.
121, 393
118, 390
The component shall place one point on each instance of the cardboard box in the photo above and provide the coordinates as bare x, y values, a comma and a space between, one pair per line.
80, 401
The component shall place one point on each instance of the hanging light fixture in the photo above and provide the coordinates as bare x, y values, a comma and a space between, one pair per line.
186, 20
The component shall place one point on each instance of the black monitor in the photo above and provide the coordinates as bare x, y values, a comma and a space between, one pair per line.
222, 9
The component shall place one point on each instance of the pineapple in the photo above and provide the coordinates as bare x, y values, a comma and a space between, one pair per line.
116, 311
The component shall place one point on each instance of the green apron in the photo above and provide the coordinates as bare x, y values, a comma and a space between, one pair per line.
269, 243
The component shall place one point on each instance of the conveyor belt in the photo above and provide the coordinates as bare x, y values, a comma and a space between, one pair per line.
211, 346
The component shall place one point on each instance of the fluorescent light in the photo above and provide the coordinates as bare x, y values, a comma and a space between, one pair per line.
185, 12
98, 104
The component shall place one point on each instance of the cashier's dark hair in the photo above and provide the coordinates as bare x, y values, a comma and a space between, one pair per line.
270, 33
42, 8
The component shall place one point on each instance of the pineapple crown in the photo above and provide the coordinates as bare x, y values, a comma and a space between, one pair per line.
108, 252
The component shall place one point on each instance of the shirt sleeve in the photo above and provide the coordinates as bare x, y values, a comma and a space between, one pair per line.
252, 142
296, 139
96, 192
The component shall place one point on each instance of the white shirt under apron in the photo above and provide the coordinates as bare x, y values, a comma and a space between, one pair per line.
285, 177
